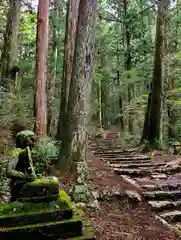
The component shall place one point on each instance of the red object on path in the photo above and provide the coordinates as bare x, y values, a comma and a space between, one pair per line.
110, 138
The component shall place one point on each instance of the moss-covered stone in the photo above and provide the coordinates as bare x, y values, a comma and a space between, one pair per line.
88, 234
29, 213
39, 199
54, 230
39, 189
28, 222
25, 208
46, 180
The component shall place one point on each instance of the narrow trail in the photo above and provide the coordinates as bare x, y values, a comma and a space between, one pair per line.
139, 197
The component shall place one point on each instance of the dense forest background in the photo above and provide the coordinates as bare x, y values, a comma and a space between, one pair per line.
127, 82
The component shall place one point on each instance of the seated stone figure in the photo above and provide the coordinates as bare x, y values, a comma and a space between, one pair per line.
19, 168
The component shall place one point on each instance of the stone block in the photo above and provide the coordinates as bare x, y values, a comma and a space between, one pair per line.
20, 214
43, 187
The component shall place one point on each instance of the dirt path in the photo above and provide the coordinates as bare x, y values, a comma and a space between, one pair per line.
120, 219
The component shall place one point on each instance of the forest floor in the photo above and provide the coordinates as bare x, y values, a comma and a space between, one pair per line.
121, 219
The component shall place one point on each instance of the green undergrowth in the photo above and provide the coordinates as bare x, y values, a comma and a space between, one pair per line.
45, 150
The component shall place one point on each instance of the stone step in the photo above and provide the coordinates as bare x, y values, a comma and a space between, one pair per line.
164, 186
173, 195
171, 216
171, 170
133, 158
49, 231
112, 156
134, 165
126, 158
109, 147
159, 175
129, 161
108, 154
165, 205
29, 213
133, 172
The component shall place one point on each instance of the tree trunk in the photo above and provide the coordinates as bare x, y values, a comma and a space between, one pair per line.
118, 54
172, 118
9, 51
80, 87
146, 121
71, 23
121, 114
171, 123
41, 68
128, 64
155, 123
99, 94
104, 109
53, 66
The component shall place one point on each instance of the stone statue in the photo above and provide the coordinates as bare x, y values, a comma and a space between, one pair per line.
20, 169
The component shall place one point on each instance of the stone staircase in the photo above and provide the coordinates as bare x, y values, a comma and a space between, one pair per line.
158, 185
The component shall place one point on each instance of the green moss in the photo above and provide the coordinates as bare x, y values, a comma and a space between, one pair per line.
18, 209
73, 219
14, 152
45, 180
44, 199
53, 230
64, 196
25, 208
88, 234
42, 188
30, 208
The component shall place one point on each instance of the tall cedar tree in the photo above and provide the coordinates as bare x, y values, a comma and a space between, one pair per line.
81, 82
128, 62
69, 44
41, 68
52, 64
9, 51
153, 124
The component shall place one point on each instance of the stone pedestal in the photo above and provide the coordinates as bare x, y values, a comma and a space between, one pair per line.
43, 212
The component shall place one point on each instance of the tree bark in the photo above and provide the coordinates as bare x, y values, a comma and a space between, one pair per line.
146, 121
172, 113
99, 96
71, 23
156, 105
80, 87
41, 68
128, 64
104, 105
53, 65
9, 51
